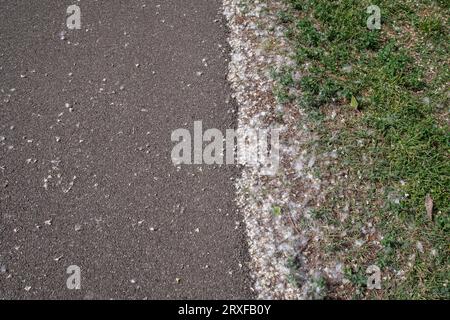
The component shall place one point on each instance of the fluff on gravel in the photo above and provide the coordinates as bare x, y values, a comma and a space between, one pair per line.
279, 269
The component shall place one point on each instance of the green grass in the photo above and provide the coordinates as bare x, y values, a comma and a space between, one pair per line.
392, 139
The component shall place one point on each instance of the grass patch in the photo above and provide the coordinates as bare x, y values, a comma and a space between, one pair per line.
380, 99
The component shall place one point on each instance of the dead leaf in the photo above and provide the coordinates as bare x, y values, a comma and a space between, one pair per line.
429, 206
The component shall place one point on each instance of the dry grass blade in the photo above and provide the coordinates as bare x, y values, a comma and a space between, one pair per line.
429, 206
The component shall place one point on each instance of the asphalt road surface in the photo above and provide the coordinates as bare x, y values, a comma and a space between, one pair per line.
86, 176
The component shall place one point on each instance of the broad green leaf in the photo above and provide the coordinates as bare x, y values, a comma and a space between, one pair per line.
276, 210
354, 103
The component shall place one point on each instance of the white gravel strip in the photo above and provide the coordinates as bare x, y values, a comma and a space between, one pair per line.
275, 241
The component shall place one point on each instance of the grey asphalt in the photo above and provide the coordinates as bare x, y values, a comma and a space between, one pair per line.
86, 176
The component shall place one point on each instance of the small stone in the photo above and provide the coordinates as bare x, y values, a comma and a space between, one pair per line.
419, 246
347, 68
